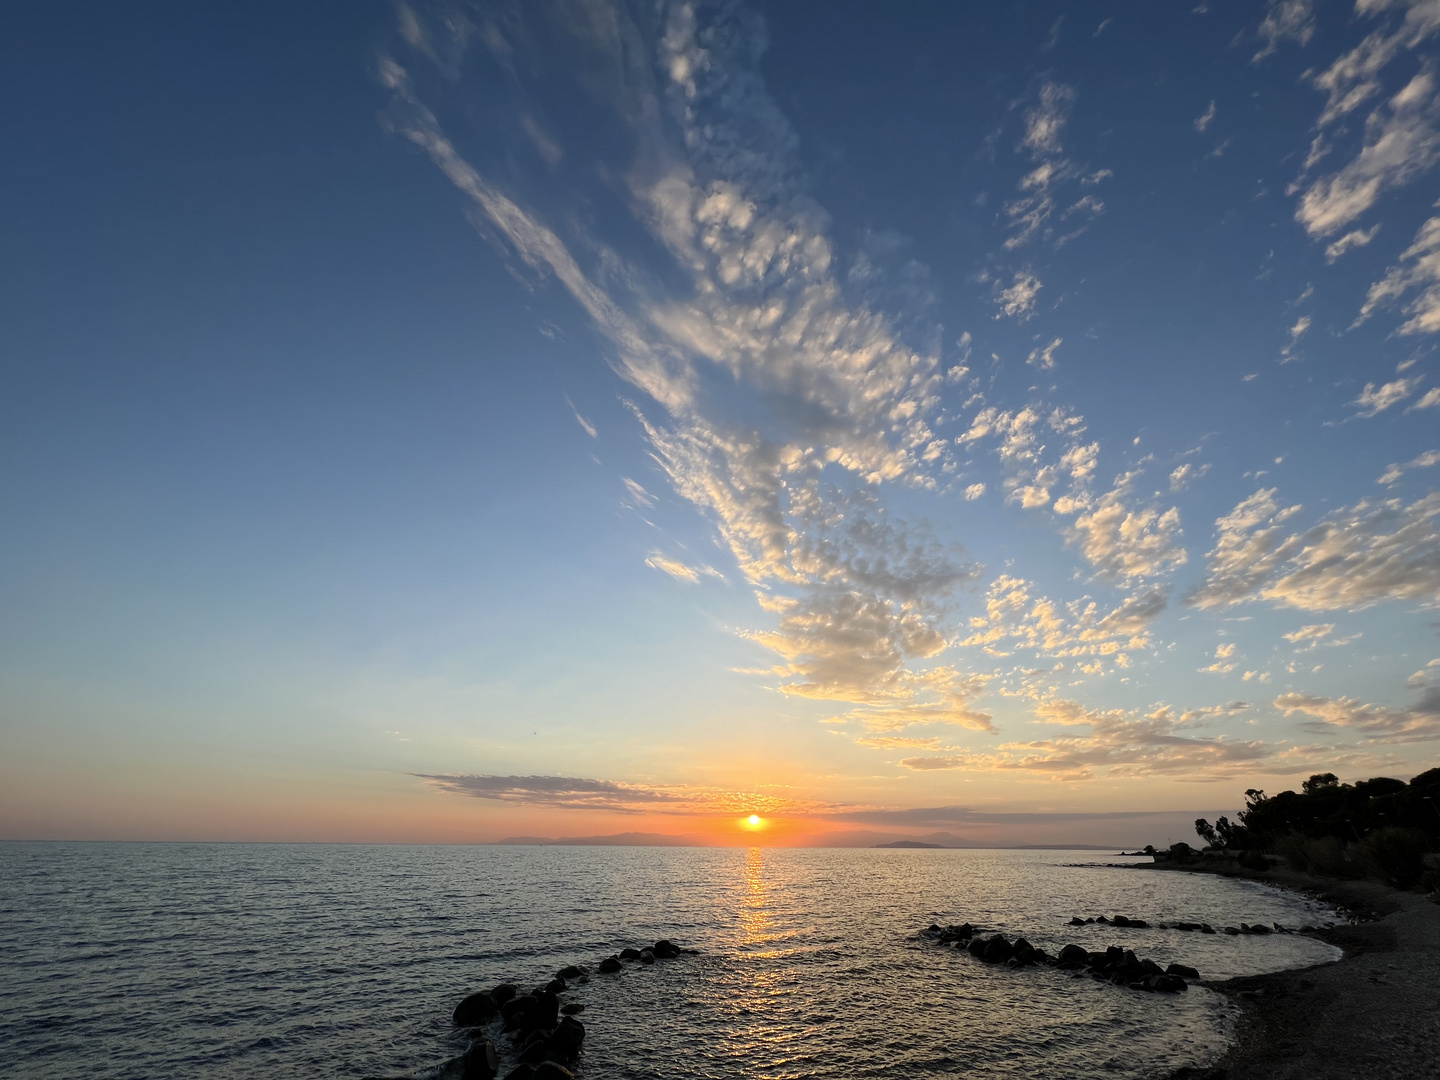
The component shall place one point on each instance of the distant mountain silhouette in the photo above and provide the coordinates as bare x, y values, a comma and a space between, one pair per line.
909, 844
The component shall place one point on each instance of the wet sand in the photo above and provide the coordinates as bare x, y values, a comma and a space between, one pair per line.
1373, 1015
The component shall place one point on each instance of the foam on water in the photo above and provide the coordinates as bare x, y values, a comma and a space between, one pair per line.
237, 960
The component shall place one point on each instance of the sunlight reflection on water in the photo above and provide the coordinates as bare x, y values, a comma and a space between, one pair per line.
244, 960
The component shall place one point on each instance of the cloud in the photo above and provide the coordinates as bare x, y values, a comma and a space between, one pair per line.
1118, 743
1418, 272
1311, 634
1352, 239
611, 796
1374, 400
1423, 461
897, 742
1182, 476
1285, 20
1045, 120
1429, 400
586, 425
638, 495
1032, 212
1352, 558
1378, 723
1290, 353
1044, 358
678, 570
1202, 122
1400, 140
1123, 541
1018, 299
974, 491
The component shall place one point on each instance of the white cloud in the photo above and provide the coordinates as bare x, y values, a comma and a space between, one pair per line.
638, 495
1182, 476
1290, 353
1352, 239
1310, 634
1046, 119
1421, 461
1018, 299
1376, 399
1429, 400
1418, 271
1285, 20
1124, 541
1044, 358
1203, 121
974, 491
586, 425
1352, 558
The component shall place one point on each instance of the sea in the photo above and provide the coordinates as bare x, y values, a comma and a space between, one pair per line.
133, 960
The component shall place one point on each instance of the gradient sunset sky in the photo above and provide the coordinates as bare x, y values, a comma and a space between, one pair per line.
454, 421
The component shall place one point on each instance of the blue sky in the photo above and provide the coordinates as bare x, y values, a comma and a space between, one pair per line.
460, 420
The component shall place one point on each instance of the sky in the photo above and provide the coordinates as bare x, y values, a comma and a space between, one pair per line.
455, 421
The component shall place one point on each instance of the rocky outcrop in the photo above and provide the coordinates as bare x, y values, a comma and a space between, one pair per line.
1115, 965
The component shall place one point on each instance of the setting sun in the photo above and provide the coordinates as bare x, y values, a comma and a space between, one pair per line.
753, 820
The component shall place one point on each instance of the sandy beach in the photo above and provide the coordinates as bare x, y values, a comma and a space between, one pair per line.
1374, 1014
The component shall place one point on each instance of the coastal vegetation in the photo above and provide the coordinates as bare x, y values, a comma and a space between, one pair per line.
1380, 828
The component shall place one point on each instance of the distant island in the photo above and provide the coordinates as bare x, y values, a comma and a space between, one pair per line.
910, 844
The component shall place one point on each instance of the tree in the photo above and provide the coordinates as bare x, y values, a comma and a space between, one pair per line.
1206, 832
1318, 781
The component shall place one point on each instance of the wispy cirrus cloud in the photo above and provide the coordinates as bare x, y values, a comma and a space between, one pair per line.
1416, 274
1377, 723
612, 796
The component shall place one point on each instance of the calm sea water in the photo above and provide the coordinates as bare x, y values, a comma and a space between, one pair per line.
236, 960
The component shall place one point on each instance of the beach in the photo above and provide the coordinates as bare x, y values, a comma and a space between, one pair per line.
1373, 1014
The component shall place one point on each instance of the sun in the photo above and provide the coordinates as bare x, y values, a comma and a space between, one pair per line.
753, 821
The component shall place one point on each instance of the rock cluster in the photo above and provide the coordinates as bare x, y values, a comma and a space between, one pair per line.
543, 1031
1115, 965
1202, 927
1118, 920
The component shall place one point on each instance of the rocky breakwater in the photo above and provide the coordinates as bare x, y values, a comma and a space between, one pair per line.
1114, 965
1127, 922
538, 1028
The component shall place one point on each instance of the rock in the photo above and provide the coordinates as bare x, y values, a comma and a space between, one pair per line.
1166, 984
550, 1070
665, 949
516, 1012
1101, 919
1075, 920
564, 1042
1073, 956
521, 1072
1089, 920
629, 954
546, 1010
475, 1010
533, 1052
976, 947
1206, 928
1184, 971
480, 1061
572, 1008
932, 929
610, 965
1259, 928
504, 992
1232, 931
965, 930
1150, 967
1119, 920
556, 986
997, 950
1139, 924
571, 971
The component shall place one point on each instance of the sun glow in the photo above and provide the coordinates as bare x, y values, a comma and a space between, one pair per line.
754, 821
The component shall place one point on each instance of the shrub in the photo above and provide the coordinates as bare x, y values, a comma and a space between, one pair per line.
1292, 847
1394, 855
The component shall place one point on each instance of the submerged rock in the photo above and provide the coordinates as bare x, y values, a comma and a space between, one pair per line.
1185, 971
571, 971
629, 954
480, 1061
572, 1008
504, 992
549, 1070
610, 965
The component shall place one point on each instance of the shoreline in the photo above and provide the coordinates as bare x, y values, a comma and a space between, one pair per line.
1375, 1012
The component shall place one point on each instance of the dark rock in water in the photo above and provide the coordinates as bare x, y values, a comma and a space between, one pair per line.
516, 1012
1259, 929
546, 1010
549, 1070
1089, 920
1150, 967
1206, 928
1184, 971
1101, 919
521, 1072
571, 971
1232, 930
564, 1042
997, 950
1073, 956
1118, 920
610, 965
933, 928
504, 992
646, 956
475, 1010
629, 954
556, 986
480, 1061
572, 1008
533, 1052
1166, 984
976, 947
1139, 924
1075, 920
665, 949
